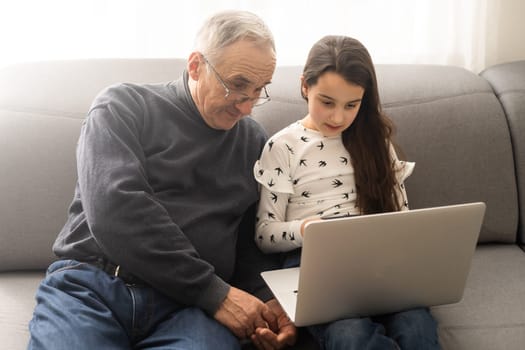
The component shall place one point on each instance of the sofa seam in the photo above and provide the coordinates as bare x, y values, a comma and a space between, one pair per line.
509, 92
45, 112
421, 101
513, 325
75, 115
513, 144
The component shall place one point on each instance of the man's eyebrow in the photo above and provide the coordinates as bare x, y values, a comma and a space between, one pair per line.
240, 80
331, 98
245, 81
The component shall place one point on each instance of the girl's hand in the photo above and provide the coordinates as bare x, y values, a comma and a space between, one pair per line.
307, 220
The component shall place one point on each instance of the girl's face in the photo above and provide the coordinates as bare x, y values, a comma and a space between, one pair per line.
333, 104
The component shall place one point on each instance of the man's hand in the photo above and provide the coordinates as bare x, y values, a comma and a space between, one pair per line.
242, 313
272, 339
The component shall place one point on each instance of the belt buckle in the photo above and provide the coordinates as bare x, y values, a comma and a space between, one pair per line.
117, 270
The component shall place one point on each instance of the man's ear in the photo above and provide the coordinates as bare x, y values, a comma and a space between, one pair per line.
194, 65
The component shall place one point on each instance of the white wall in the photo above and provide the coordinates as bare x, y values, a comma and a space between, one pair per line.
469, 33
506, 36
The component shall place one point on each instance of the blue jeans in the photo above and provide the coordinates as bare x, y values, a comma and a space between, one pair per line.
412, 329
81, 307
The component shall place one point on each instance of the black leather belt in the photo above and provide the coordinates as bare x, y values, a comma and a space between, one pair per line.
115, 270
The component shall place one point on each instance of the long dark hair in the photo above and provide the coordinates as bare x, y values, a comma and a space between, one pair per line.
369, 137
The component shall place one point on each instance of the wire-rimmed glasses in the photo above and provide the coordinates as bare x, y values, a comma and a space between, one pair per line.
239, 97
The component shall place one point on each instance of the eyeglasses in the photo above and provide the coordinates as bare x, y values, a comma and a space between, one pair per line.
239, 97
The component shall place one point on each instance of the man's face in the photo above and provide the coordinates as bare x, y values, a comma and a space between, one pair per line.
244, 69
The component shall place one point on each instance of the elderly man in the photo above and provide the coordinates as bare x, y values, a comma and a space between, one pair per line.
165, 189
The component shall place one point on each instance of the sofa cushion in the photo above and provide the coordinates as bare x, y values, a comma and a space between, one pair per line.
68, 87
451, 124
490, 316
42, 106
17, 297
508, 83
37, 171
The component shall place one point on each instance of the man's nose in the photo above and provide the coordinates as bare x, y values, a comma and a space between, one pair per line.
245, 107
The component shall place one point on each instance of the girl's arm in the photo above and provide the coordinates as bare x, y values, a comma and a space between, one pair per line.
273, 233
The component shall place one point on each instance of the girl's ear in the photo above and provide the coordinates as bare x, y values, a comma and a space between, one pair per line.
194, 65
304, 88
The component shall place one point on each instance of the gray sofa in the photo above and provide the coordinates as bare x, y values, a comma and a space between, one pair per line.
464, 131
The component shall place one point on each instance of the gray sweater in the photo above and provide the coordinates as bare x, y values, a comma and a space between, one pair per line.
161, 193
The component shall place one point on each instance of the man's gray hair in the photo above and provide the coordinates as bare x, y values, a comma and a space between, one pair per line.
228, 27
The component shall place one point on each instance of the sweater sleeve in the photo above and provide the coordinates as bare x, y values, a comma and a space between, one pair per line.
403, 170
127, 221
273, 232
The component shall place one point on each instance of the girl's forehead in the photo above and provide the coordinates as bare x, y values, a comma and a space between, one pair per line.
334, 85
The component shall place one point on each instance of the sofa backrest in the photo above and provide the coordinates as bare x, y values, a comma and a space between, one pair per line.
453, 126
508, 82
449, 122
42, 106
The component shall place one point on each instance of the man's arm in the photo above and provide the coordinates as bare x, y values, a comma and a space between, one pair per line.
241, 310
250, 261
129, 224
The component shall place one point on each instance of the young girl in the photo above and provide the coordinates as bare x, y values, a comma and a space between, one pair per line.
338, 160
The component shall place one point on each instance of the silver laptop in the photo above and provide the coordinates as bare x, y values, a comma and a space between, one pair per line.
377, 264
